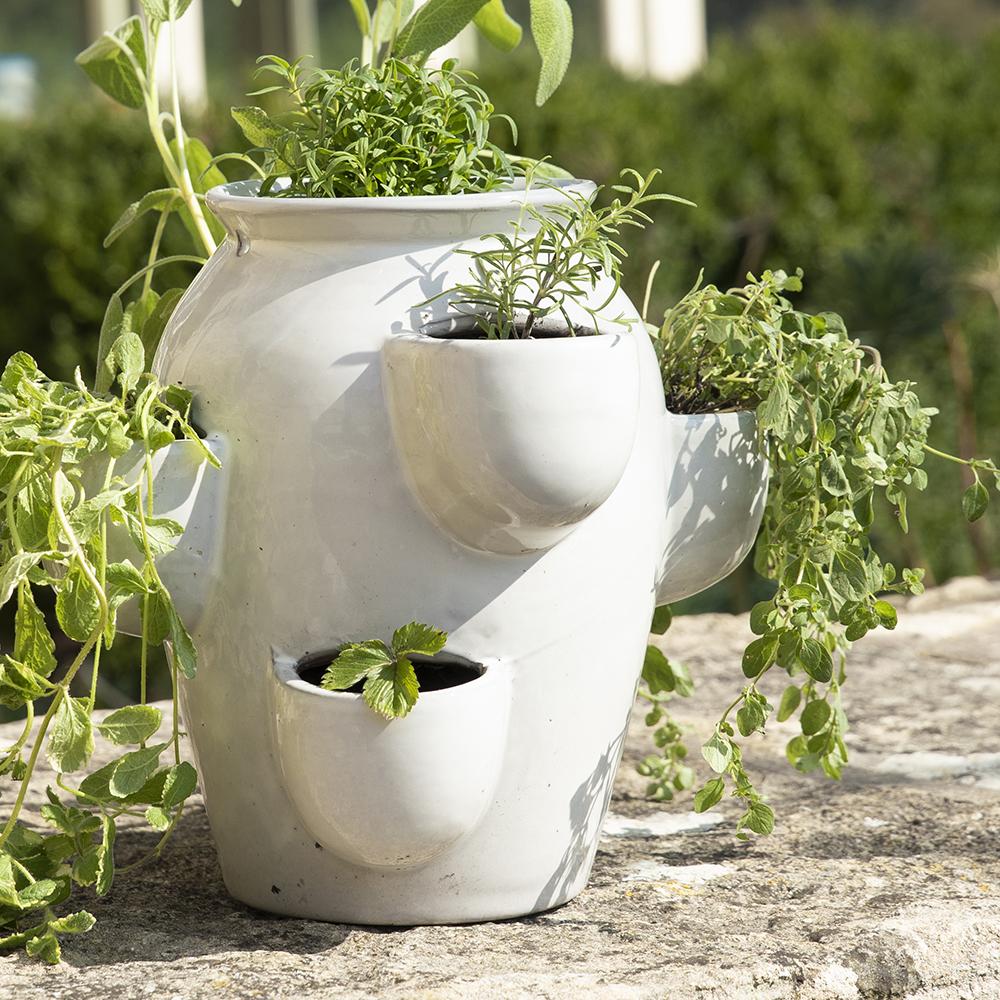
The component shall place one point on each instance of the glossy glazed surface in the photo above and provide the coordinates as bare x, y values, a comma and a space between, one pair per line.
327, 541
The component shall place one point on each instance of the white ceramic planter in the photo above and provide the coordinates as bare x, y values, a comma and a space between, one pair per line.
513, 494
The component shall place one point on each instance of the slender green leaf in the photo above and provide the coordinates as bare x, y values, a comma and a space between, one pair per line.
552, 31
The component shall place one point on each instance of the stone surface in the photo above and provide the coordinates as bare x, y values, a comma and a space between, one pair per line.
884, 885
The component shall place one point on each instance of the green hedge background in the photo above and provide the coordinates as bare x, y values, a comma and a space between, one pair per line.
864, 151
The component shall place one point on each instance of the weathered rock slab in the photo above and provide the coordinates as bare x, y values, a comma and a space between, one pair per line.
884, 885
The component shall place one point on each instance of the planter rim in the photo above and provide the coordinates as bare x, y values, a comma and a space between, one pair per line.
242, 196
593, 341
287, 675
714, 415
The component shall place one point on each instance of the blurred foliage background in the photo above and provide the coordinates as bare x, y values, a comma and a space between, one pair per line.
860, 142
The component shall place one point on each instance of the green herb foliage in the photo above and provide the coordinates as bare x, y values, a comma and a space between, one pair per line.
390, 687
393, 29
363, 132
840, 437
61, 496
123, 64
563, 255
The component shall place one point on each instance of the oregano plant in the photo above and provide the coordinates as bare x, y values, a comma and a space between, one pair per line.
841, 437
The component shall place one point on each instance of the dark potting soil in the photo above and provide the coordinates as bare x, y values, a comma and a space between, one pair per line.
431, 675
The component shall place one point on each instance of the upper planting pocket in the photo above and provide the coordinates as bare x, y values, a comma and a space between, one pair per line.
366, 132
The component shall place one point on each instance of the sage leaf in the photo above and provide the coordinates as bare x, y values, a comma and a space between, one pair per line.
259, 128
498, 27
71, 736
361, 15
160, 200
131, 724
552, 31
126, 360
164, 10
108, 65
434, 24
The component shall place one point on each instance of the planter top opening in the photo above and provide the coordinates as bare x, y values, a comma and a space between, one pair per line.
466, 327
434, 673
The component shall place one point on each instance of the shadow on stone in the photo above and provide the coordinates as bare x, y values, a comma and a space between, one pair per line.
191, 914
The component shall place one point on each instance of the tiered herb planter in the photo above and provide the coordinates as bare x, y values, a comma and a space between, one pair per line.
522, 495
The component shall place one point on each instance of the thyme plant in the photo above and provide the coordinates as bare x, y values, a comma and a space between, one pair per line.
841, 437
364, 132
554, 258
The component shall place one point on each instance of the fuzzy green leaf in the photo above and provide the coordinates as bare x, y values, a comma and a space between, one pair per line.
73, 923
434, 24
107, 64
160, 200
552, 30
498, 27
259, 128
816, 660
